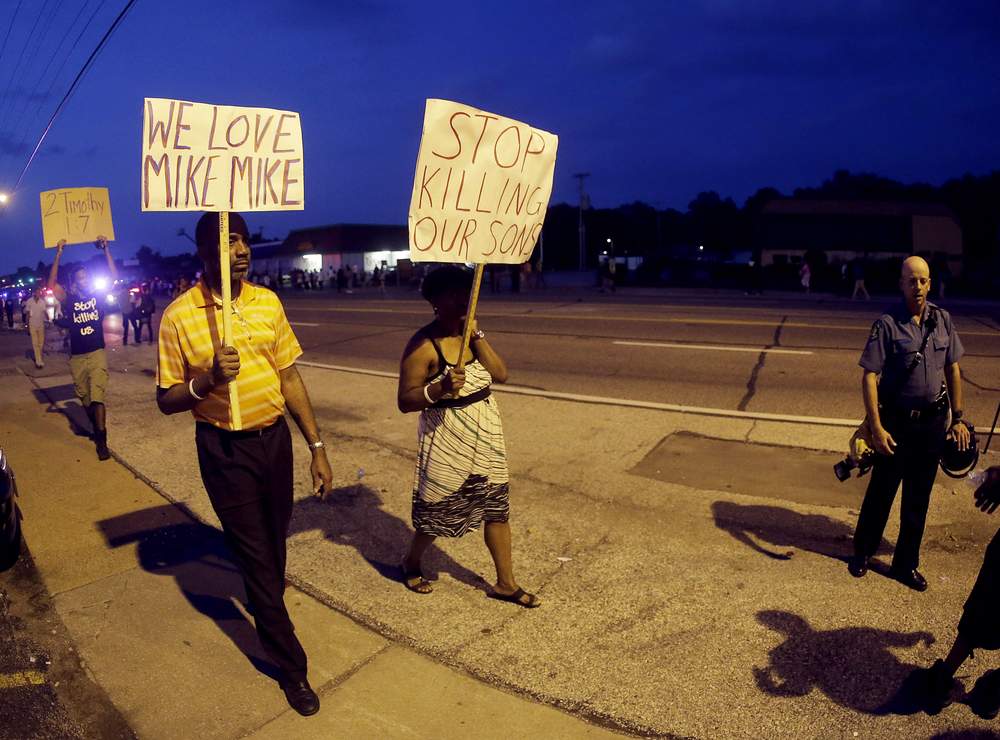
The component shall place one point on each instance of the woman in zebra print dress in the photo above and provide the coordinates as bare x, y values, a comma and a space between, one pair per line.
461, 477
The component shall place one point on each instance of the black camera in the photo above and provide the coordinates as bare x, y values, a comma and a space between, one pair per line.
843, 469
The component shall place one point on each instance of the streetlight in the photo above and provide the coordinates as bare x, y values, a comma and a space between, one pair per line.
4, 199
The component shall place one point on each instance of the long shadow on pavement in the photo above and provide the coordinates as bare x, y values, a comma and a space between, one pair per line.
353, 516
196, 556
853, 666
61, 399
967, 735
784, 528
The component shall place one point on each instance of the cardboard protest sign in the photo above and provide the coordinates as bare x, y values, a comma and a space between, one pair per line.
77, 215
481, 187
201, 157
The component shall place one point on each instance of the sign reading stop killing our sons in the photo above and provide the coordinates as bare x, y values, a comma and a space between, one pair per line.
77, 215
481, 187
201, 157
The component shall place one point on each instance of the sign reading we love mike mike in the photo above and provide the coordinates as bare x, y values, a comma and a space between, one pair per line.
202, 157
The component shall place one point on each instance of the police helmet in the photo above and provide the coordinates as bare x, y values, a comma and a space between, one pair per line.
959, 463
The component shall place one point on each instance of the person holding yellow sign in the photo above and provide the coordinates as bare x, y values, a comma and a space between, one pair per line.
84, 312
246, 469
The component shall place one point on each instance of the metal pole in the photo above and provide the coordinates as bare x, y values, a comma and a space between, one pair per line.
581, 176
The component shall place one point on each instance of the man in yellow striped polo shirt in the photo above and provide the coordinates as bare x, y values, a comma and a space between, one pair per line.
247, 472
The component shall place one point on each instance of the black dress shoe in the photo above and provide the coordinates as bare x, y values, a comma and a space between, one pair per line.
984, 699
857, 566
911, 578
301, 697
938, 687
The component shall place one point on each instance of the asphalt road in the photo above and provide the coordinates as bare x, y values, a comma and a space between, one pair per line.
791, 356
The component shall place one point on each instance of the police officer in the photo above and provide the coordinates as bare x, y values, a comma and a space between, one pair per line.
911, 378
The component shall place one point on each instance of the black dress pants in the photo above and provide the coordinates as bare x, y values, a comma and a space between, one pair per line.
914, 464
128, 321
140, 322
248, 476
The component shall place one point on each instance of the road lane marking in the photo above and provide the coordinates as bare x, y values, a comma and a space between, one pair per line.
755, 350
304, 323
21, 678
606, 401
638, 319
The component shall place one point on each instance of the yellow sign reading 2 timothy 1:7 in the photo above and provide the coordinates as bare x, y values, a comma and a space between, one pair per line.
76, 215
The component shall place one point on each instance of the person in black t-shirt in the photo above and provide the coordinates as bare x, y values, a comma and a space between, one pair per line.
84, 317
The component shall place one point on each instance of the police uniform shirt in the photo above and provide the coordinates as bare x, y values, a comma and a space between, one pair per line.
892, 346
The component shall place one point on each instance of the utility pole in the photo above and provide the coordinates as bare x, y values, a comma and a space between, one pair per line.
584, 203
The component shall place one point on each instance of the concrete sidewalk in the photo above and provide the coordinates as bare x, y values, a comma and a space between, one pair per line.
155, 607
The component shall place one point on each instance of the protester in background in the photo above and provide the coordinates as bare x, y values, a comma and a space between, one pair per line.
805, 276
144, 313
942, 273
182, 287
37, 314
85, 321
60, 323
978, 627
8, 308
539, 274
129, 302
858, 269
461, 476
608, 275
247, 472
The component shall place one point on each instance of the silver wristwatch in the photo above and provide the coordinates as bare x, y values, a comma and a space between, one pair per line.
477, 334
316, 445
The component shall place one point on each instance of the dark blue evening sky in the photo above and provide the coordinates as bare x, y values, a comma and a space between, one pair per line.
658, 100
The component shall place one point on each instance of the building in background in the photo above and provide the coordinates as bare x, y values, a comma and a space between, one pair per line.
328, 248
842, 231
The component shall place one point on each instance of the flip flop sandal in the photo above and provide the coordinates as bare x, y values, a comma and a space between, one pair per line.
517, 598
422, 586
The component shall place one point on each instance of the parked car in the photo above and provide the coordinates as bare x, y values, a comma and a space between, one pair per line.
10, 516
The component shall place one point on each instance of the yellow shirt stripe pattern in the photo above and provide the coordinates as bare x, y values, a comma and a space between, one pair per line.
191, 332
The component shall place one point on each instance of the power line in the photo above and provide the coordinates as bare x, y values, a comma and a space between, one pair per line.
41, 102
13, 71
36, 88
76, 81
10, 28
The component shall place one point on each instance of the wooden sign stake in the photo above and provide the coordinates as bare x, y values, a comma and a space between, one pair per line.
470, 315
227, 313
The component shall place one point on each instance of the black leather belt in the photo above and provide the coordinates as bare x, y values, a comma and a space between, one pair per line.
242, 433
460, 403
935, 408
